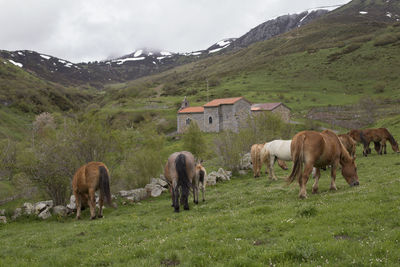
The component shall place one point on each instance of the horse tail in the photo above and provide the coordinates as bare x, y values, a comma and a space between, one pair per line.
183, 179
298, 158
201, 176
104, 184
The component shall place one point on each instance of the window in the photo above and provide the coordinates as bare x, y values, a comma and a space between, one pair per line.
188, 120
210, 120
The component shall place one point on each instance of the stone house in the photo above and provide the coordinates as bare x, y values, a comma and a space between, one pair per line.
224, 114
277, 108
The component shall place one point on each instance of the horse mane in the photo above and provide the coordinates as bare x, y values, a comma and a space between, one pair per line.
183, 179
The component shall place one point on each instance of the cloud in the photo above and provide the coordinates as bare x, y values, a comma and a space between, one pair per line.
97, 29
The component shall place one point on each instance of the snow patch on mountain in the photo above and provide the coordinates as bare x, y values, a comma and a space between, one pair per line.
16, 63
45, 57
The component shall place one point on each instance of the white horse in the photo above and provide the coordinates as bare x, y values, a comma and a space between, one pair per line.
277, 149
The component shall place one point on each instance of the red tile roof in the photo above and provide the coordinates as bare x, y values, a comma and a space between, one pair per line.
265, 106
192, 110
222, 101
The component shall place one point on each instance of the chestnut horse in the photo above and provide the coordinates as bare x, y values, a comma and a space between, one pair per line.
348, 143
182, 173
379, 136
314, 149
87, 180
256, 159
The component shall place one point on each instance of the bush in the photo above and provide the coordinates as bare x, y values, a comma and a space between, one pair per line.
193, 140
257, 129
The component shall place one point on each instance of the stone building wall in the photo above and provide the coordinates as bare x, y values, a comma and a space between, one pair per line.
183, 117
214, 113
241, 112
284, 112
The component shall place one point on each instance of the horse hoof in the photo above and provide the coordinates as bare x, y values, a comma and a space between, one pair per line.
315, 191
78, 218
99, 216
333, 188
176, 210
186, 208
301, 196
196, 202
93, 218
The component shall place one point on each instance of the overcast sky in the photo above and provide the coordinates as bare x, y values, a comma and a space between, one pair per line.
87, 30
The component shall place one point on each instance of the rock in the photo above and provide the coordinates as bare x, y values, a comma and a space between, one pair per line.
48, 203
134, 194
153, 190
245, 162
60, 210
156, 192
242, 172
28, 208
39, 207
3, 219
2, 212
17, 213
212, 178
159, 182
45, 213
72, 205
223, 175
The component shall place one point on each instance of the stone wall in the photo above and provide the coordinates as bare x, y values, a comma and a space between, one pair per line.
214, 113
197, 117
284, 112
241, 111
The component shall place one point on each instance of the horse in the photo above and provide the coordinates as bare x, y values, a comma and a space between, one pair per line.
315, 149
348, 143
379, 136
275, 150
183, 173
256, 160
200, 178
87, 180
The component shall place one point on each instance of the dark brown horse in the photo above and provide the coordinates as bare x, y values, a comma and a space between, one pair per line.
348, 143
313, 149
181, 172
379, 136
87, 180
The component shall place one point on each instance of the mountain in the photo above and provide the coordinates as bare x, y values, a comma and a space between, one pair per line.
144, 62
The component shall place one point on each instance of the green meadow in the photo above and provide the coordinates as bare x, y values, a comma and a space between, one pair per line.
244, 222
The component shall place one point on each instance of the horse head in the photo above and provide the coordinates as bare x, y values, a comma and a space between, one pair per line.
349, 172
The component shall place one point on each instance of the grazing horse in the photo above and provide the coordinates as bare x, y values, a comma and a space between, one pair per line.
379, 136
313, 149
85, 183
256, 159
348, 143
182, 173
275, 150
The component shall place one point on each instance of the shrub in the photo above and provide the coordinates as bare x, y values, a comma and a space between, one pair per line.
193, 140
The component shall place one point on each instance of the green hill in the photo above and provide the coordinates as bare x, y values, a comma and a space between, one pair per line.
244, 222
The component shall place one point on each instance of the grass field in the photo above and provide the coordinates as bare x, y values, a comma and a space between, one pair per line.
244, 222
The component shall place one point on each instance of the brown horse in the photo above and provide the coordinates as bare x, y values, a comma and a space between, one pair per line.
379, 136
181, 172
314, 149
348, 143
87, 180
257, 159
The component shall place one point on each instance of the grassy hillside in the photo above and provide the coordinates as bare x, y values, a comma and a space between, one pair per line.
335, 60
244, 222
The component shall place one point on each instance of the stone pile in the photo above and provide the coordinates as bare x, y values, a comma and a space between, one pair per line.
45, 209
